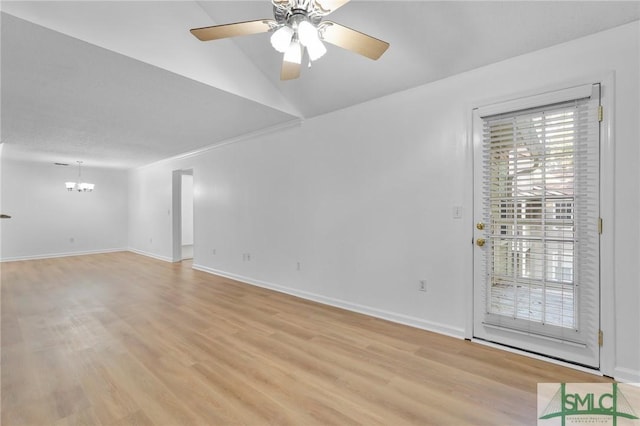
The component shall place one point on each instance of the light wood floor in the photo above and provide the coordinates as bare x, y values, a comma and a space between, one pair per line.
121, 339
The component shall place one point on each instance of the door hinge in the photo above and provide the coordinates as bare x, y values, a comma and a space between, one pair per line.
600, 113
600, 337
600, 225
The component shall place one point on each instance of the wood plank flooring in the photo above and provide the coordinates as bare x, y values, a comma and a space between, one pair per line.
121, 339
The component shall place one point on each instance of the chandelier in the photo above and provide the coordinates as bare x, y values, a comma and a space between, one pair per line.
79, 186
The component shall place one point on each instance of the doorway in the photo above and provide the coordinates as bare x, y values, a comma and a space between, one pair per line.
187, 215
536, 210
183, 215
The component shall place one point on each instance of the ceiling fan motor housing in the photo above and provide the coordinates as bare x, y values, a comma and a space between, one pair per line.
294, 15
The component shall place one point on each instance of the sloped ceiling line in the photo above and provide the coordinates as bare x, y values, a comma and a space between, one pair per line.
124, 83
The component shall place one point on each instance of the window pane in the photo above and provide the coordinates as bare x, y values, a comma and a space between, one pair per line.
531, 199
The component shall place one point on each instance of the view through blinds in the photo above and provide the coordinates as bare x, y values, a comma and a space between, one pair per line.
541, 204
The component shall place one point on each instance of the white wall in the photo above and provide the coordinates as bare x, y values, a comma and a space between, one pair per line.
150, 221
46, 217
361, 199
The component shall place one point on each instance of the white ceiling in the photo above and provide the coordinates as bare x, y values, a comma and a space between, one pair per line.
125, 84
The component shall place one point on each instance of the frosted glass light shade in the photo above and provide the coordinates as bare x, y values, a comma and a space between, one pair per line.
307, 33
281, 38
294, 53
86, 187
316, 50
81, 186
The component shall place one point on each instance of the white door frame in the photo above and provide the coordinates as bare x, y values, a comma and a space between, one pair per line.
607, 212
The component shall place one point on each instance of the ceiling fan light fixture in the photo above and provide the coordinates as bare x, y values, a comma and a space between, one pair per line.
307, 33
281, 38
294, 52
316, 50
298, 25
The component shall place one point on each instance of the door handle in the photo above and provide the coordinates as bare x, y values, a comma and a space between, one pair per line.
480, 242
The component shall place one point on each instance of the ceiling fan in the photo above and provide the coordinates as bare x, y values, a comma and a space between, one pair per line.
299, 25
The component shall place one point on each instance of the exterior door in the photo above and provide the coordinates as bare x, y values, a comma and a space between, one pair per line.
536, 211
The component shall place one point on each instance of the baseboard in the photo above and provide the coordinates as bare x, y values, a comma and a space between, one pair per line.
153, 255
55, 255
343, 304
626, 375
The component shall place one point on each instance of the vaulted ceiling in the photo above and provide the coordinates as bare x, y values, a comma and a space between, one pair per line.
122, 84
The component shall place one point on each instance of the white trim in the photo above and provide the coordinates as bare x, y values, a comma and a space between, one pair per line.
607, 210
56, 255
245, 136
544, 98
626, 375
152, 255
584, 80
469, 220
354, 307
538, 357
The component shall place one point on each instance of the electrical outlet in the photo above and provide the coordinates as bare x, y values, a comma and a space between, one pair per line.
72, 240
213, 252
298, 266
422, 285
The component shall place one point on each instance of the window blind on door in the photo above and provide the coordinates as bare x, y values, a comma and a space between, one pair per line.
541, 186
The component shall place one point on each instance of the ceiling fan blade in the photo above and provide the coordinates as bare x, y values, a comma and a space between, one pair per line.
331, 5
353, 40
231, 30
290, 70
